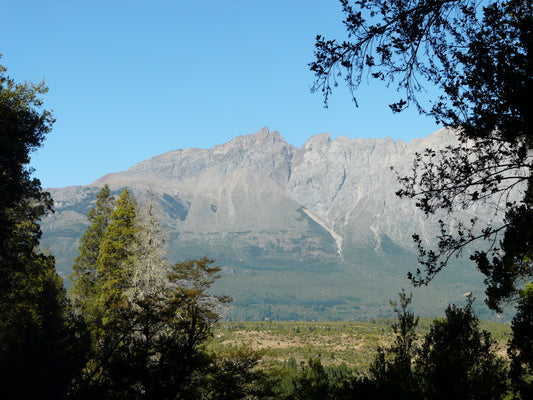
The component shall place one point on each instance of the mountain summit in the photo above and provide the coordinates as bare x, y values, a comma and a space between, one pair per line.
301, 232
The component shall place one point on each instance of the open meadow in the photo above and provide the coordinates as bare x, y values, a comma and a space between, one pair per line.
353, 344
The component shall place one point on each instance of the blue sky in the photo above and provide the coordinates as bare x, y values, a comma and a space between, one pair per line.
132, 79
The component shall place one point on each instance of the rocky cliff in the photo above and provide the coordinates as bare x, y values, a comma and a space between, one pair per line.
294, 228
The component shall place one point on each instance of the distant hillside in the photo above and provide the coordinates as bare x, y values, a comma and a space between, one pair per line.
310, 233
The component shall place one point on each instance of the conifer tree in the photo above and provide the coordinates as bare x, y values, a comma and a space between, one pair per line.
391, 369
116, 259
84, 278
149, 322
108, 311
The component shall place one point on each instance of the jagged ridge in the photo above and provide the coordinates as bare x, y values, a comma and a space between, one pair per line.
257, 203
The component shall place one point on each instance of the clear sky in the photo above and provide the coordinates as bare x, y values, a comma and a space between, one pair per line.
133, 79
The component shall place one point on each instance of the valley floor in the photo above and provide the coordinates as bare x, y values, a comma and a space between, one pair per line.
335, 343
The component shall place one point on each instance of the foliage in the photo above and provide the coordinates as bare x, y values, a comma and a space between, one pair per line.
42, 345
521, 347
457, 359
116, 258
23, 126
352, 344
391, 369
479, 56
148, 322
108, 316
233, 374
308, 380
84, 277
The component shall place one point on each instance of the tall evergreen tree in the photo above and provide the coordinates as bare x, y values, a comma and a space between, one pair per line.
149, 322
111, 244
84, 277
116, 258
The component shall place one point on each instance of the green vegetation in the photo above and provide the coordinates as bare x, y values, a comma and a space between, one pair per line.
335, 343
405, 357
147, 322
41, 341
478, 56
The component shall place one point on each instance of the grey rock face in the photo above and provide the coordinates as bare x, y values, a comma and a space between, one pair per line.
257, 202
252, 179
274, 194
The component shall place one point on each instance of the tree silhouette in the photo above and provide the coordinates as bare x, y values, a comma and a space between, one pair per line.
479, 56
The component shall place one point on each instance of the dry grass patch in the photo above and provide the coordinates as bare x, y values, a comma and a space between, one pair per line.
351, 343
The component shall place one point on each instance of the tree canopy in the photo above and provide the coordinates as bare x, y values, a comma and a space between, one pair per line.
148, 322
42, 346
84, 278
478, 56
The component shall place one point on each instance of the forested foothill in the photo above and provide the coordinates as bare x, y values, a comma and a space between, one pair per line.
136, 326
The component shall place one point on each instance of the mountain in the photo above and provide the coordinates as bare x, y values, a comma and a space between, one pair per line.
301, 233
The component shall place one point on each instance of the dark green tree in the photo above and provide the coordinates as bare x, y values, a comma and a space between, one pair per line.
478, 55
41, 343
233, 374
457, 359
162, 354
313, 383
392, 368
521, 346
116, 259
84, 278
109, 316
194, 312
149, 323
301, 382
23, 127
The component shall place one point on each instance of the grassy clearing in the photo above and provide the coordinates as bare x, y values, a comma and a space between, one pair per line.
351, 343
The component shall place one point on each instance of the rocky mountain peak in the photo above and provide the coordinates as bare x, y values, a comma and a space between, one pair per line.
275, 215
320, 143
438, 139
262, 138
